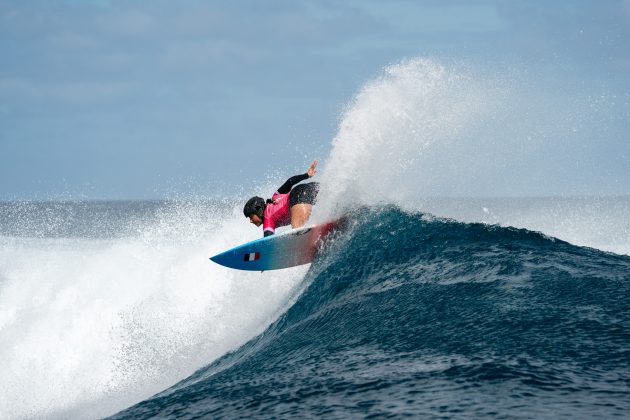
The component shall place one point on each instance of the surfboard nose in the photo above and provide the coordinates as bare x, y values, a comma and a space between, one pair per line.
221, 258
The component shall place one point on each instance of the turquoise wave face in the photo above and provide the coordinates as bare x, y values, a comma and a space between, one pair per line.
412, 315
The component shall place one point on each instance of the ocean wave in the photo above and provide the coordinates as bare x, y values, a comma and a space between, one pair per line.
408, 314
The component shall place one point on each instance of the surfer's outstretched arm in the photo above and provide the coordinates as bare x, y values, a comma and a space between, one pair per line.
286, 187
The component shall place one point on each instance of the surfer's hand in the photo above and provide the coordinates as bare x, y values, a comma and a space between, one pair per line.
311, 171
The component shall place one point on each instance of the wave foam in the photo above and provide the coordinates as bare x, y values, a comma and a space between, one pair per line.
91, 326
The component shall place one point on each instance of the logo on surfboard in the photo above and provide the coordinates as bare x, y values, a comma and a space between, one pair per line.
252, 256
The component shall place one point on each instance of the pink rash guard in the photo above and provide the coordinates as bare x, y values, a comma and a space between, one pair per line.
277, 214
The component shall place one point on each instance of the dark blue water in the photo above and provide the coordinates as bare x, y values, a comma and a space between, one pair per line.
407, 315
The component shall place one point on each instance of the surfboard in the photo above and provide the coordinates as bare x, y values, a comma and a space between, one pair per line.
288, 249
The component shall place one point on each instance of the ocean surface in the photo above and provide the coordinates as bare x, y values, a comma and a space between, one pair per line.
113, 308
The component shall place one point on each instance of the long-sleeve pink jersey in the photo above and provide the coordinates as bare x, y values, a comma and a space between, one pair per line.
277, 213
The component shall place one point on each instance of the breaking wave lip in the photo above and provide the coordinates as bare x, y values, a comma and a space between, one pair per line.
423, 131
439, 305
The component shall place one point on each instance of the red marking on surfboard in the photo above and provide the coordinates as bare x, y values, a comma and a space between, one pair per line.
322, 233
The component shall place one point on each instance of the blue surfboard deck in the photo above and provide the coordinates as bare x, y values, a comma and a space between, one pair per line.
289, 249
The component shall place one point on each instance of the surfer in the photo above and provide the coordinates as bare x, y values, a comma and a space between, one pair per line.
288, 205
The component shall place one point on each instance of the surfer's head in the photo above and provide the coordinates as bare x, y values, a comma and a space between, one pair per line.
254, 209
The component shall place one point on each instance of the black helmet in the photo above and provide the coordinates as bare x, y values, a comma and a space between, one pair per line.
254, 205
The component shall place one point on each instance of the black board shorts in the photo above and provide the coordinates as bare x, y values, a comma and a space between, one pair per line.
304, 194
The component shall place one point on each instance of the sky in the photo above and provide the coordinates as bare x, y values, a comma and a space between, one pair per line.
112, 99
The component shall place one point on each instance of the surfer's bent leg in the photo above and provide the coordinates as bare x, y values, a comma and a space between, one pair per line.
301, 203
300, 214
